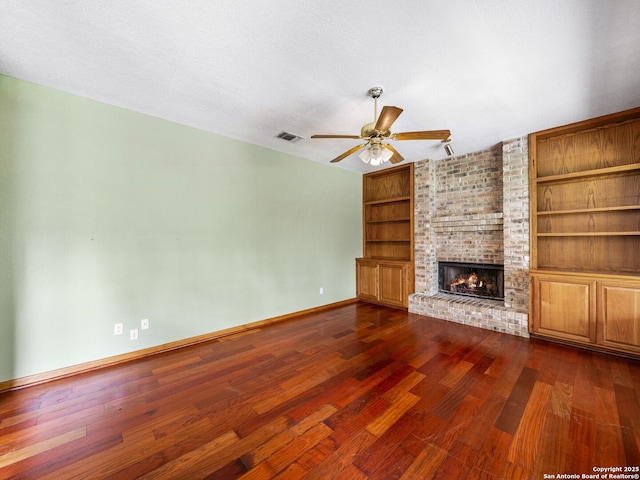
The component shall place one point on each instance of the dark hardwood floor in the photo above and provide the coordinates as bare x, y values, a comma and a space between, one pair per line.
356, 392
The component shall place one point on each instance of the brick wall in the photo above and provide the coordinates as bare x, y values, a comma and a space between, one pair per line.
515, 154
474, 208
467, 219
424, 239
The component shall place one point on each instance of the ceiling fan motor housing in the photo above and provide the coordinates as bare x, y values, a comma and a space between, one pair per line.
368, 130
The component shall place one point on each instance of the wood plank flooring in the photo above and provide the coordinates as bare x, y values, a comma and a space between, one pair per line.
357, 392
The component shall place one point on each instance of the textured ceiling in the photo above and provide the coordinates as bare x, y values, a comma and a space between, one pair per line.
487, 70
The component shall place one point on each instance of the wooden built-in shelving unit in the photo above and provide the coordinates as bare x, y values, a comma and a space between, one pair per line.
385, 273
585, 232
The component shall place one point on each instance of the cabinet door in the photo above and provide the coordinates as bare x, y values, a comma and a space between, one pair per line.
619, 314
367, 280
564, 307
393, 283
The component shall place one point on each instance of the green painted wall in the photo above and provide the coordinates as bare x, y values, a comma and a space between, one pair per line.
109, 216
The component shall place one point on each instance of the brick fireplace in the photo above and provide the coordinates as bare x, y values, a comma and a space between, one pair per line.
474, 209
475, 280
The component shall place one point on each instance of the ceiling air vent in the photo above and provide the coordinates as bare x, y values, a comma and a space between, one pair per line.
289, 137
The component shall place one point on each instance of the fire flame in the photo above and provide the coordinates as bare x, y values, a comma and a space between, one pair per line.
471, 281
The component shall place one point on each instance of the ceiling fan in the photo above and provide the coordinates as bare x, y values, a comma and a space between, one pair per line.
378, 131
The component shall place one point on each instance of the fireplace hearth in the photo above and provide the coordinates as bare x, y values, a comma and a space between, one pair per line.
472, 279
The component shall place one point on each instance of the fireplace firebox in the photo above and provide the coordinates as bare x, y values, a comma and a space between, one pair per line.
472, 279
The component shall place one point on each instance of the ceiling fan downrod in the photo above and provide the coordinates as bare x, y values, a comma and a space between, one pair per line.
375, 92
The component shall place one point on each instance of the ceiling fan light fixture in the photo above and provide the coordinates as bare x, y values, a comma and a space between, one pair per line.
375, 155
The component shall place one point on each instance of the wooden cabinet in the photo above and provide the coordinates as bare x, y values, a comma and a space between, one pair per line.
384, 281
385, 274
590, 309
619, 315
585, 229
564, 307
367, 280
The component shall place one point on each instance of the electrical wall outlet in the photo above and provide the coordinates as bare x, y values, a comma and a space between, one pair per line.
133, 334
144, 324
321, 291
118, 329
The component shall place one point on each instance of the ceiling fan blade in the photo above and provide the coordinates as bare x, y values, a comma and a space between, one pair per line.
348, 152
425, 135
388, 115
336, 136
397, 158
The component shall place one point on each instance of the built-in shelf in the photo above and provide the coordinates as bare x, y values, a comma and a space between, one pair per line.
589, 234
402, 240
598, 172
395, 220
388, 200
582, 272
589, 210
389, 258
